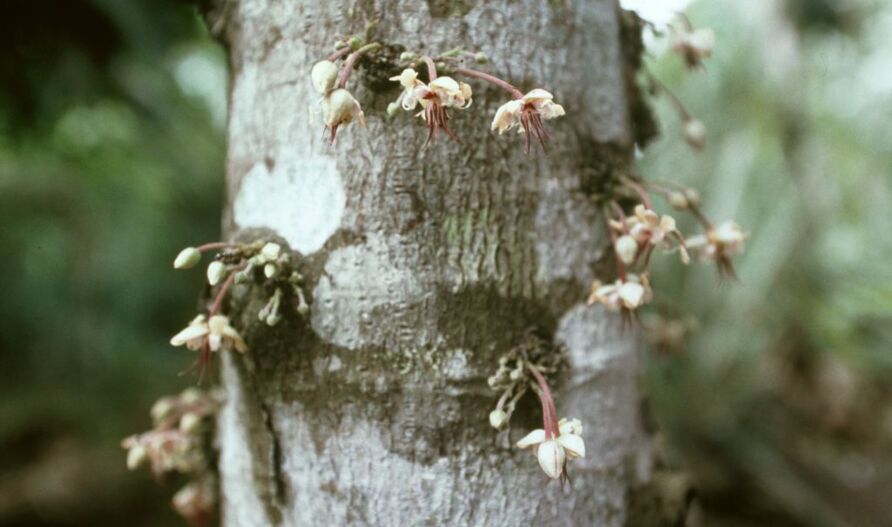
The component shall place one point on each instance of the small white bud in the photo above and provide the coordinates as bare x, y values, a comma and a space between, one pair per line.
137, 457
551, 458
407, 56
339, 107
190, 422
392, 109
188, 258
161, 409
695, 133
271, 250
216, 272
692, 195
481, 57
678, 200
498, 418
325, 76
270, 270
626, 248
191, 396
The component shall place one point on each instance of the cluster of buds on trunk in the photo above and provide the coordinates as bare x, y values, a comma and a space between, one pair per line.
259, 263
180, 442
441, 93
521, 370
636, 236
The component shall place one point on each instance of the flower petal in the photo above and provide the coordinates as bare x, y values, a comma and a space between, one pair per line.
191, 332
533, 438
573, 444
551, 457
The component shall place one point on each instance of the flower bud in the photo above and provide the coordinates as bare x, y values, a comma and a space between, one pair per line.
339, 107
626, 248
161, 409
324, 75
270, 270
551, 458
678, 200
188, 258
392, 109
481, 57
498, 418
190, 423
692, 195
695, 133
137, 456
216, 272
408, 56
354, 42
271, 250
191, 396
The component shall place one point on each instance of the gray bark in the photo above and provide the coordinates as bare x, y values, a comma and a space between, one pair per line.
424, 265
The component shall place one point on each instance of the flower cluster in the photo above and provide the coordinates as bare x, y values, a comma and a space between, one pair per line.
635, 237
179, 442
436, 97
527, 114
521, 370
553, 450
260, 263
339, 106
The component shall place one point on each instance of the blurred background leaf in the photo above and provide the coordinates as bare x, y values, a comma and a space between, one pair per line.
111, 152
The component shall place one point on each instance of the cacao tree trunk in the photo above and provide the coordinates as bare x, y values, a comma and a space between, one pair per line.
423, 266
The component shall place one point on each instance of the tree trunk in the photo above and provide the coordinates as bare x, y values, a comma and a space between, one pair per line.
423, 266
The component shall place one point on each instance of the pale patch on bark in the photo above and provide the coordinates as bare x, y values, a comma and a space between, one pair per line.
301, 198
242, 505
359, 279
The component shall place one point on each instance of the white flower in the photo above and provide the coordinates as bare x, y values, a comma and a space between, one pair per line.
694, 45
724, 240
223, 335
444, 91
626, 248
527, 113
647, 227
216, 333
324, 75
553, 452
434, 98
188, 258
340, 107
539, 101
194, 335
631, 293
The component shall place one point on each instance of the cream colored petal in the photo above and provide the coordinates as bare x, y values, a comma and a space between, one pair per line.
632, 294
570, 426
445, 85
230, 333
215, 341
667, 223
537, 95
550, 110
190, 333
573, 444
533, 438
506, 116
551, 457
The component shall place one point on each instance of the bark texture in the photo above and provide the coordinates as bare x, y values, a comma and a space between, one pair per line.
424, 265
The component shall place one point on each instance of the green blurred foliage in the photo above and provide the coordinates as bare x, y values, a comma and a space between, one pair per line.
779, 405
111, 151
